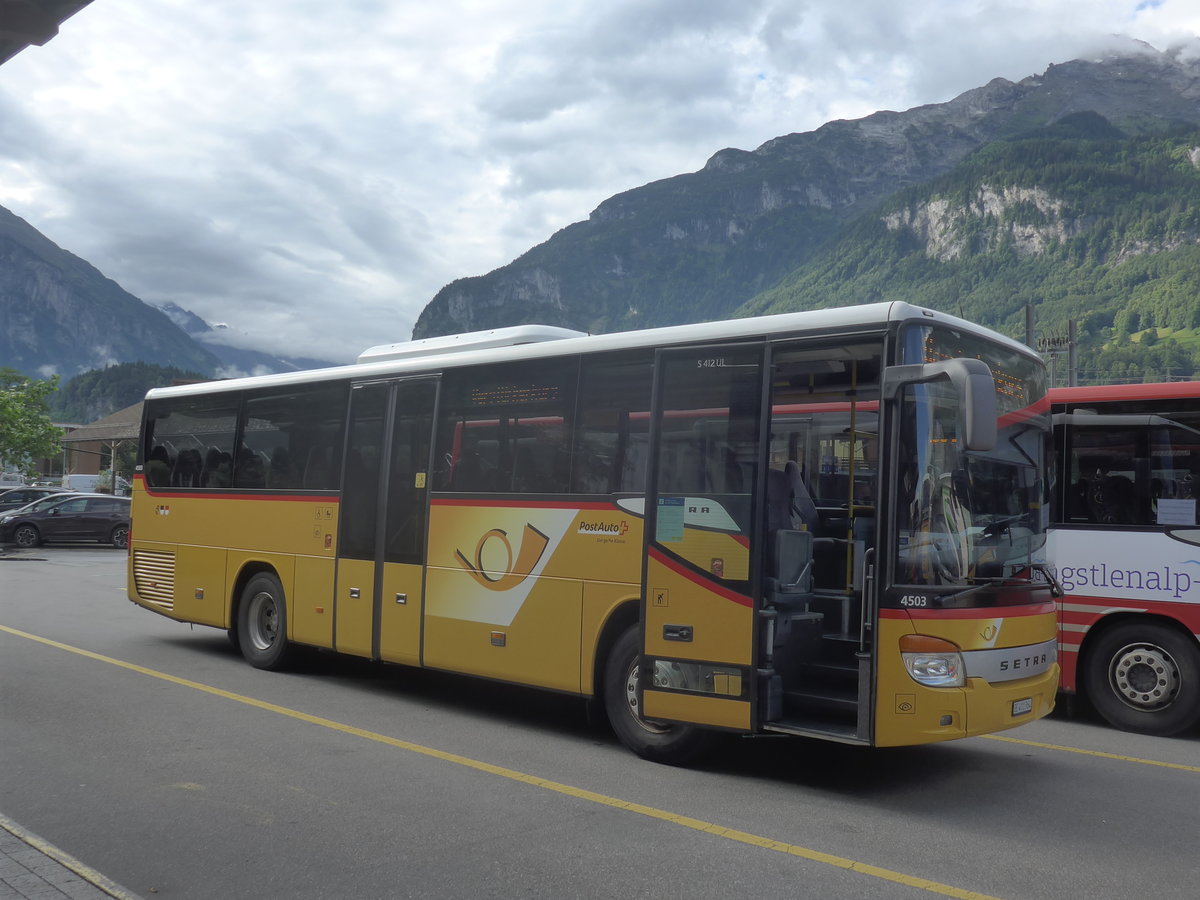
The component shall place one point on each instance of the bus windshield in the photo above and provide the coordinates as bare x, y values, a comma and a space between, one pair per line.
966, 517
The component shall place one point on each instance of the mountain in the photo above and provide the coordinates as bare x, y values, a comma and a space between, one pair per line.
102, 392
1076, 219
59, 314
703, 245
236, 359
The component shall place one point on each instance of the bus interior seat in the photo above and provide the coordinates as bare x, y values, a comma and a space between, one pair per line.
802, 503
469, 473
779, 504
790, 582
797, 628
1113, 500
188, 466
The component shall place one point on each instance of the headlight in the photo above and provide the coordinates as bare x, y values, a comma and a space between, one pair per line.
932, 661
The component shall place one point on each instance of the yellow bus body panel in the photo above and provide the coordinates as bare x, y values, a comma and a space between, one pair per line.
201, 543
400, 614
541, 646
506, 582
310, 602
600, 601
722, 628
714, 711
354, 615
200, 579
910, 713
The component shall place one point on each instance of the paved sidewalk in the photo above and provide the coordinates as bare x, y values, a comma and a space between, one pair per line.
32, 869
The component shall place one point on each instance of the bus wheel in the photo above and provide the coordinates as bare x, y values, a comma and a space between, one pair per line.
262, 623
1145, 678
658, 742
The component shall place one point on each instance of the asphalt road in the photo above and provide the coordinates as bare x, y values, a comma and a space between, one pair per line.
151, 752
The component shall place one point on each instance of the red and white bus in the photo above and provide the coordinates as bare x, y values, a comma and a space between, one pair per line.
1125, 542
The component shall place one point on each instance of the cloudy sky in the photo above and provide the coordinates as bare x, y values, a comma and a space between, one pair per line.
311, 173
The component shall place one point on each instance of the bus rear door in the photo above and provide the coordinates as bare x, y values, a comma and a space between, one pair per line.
384, 509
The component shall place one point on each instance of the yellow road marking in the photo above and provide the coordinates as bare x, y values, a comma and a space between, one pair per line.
700, 825
1099, 753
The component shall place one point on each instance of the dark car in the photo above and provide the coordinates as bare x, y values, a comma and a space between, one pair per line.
15, 498
73, 517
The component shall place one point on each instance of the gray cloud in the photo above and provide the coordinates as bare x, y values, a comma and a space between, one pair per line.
313, 174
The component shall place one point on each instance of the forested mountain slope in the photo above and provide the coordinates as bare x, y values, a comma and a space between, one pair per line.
1077, 219
702, 245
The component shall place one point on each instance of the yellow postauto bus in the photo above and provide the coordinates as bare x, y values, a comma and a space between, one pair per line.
820, 523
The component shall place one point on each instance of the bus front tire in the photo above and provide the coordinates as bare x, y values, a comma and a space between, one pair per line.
262, 624
1145, 678
658, 742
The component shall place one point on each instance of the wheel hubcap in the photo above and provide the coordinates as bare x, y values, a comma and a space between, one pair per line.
665, 675
1144, 676
263, 621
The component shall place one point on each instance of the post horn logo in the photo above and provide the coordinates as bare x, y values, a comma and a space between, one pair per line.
533, 545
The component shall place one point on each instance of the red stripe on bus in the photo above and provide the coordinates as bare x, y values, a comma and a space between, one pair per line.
527, 504
227, 495
990, 612
700, 581
1104, 393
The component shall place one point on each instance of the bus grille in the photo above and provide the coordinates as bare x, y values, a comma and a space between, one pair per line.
154, 576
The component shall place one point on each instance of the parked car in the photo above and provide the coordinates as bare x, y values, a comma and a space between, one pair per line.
18, 497
68, 517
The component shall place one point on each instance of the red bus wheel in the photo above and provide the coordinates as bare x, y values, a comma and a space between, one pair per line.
1145, 677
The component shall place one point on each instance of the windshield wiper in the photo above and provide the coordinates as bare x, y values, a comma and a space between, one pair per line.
982, 583
1056, 590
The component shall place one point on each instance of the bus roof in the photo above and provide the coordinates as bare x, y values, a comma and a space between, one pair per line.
475, 340
431, 356
1109, 393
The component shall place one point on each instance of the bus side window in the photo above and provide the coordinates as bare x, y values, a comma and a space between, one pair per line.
503, 427
609, 451
287, 436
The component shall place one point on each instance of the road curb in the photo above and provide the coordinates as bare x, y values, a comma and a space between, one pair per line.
106, 886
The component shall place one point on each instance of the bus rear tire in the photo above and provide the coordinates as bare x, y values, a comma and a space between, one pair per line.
262, 624
1145, 678
658, 742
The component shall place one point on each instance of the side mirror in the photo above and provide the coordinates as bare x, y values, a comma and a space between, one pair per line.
972, 381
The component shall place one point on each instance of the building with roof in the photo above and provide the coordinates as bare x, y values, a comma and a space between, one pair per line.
32, 22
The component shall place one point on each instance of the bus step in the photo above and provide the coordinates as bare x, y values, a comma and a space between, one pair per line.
826, 698
830, 672
835, 731
847, 638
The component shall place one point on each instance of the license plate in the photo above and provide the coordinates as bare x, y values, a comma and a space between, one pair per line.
1020, 707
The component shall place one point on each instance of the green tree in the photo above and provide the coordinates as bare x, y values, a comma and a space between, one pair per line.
26, 432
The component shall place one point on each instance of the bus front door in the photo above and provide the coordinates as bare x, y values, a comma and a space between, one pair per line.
700, 563
381, 574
